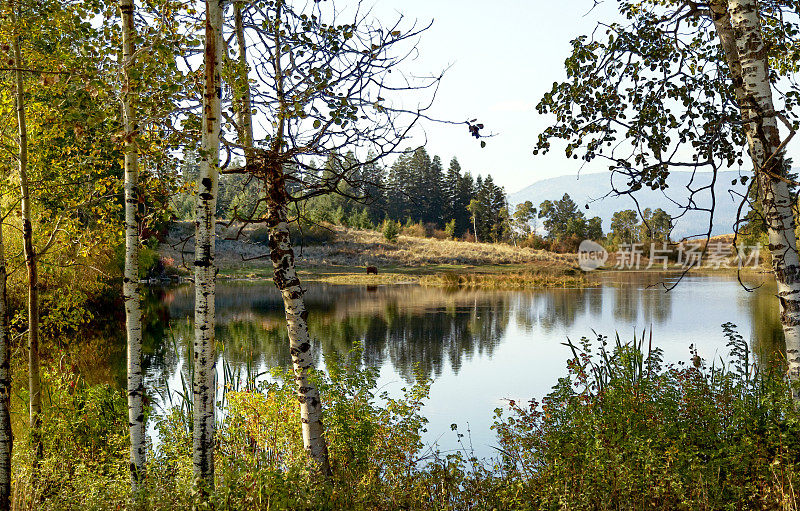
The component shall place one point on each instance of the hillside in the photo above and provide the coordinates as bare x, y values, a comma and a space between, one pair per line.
354, 248
591, 188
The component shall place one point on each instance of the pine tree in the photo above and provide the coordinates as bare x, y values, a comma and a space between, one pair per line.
434, 198
450, 191
465, 192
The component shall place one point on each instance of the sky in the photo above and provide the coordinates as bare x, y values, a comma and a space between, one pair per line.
504, 55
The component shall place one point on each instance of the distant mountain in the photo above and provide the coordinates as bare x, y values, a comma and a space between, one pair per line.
591, 189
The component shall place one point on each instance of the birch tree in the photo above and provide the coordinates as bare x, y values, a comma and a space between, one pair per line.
739, 31
34, 378
130, 282
204, 382
320, 84
6, 434
687, 85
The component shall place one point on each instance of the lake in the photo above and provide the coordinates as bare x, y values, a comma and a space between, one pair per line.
480, 347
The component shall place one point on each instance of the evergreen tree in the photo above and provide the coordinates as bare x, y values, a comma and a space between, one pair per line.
450, 186
433, 196
562, 218
465, 191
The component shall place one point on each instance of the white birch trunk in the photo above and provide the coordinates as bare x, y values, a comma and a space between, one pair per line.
34, 378
6, 436
130, 283
747, 58
285, 276
204, 382
286, 280
244, 116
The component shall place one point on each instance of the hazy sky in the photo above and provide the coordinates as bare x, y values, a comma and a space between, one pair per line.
505, 55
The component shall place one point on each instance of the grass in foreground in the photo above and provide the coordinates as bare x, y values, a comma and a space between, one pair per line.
620, 431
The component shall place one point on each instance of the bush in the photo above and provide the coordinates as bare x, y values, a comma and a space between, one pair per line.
416, 230
535, 241
390, 230
305, 235
620, 431
439, 234
84, 432
623, 432
260, 235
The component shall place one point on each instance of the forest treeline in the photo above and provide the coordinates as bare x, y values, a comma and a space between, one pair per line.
415, 195
414, 189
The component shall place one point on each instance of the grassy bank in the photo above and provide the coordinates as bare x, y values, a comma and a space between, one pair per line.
621, 431
467, 276
340, 255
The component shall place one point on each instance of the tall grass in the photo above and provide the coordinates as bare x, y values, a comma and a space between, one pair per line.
508, 280
623, 430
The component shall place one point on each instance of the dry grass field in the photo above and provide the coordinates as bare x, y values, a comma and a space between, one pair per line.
343, 259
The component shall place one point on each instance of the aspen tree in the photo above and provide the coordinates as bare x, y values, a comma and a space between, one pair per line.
130, 283
204, 381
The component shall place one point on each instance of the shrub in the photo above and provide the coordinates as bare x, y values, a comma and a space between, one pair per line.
311, 234
623, 432
84, 431
450, 229
260, 235
306, 235
416, 230
620, 431
390, 230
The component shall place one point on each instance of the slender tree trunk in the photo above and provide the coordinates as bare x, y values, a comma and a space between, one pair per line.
130, 283
286, 280
285, 277
740, 34
244, 115
204, 382
34, 378
6, 435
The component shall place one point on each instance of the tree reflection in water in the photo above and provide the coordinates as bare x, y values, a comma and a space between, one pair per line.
405, 326
488, 345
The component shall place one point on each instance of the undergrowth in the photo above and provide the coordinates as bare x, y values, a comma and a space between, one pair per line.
622, 430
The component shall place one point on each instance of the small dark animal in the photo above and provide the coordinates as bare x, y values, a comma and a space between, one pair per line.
372, 269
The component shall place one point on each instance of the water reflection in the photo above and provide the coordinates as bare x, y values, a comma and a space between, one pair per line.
440, 330
479, 346
406, 326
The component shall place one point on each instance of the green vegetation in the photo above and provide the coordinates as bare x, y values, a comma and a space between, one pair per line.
620, 431
390, 230
414, 190
555, 277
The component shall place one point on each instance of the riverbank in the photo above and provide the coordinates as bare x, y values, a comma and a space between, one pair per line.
658, 435
340, 255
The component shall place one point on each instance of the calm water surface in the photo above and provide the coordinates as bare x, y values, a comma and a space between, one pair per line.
480, 347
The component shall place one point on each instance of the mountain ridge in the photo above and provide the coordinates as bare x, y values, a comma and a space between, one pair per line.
593, 189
